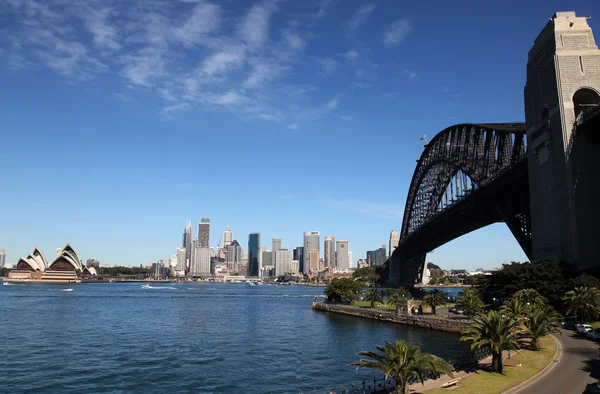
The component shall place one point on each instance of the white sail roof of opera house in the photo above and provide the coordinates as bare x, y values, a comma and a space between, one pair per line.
67, 259
34, 261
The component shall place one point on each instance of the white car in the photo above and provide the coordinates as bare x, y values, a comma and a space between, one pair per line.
583, 328
593, 334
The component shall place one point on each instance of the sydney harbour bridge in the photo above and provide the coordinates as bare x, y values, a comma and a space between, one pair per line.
541, 178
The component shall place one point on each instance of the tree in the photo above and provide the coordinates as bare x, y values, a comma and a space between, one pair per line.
515, 308
366, 274
542, 321
469, 300
434, 299
583, 302
403, 362
530, 297
495, 332
585, 280
373, 295
398, 297
343, 289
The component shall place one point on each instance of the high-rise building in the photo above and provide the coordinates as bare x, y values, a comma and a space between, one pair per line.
204, 233
283, 262
267, 258
313, 261
180, 255
295, 267
2, 258
312, 241
234, 255
371, 257
393, 241
380, 255
187, 244
350, 259
227, 237
276, 243
329, 251
254, 257
341, 248
299, 255
89, 262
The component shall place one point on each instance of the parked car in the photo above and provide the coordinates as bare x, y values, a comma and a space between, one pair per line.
593, 334
583, 328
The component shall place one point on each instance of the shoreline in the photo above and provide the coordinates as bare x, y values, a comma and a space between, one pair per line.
433, 322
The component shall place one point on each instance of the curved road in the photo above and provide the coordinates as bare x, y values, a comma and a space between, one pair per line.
576, 372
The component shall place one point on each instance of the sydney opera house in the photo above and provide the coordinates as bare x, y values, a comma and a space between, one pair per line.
66, 268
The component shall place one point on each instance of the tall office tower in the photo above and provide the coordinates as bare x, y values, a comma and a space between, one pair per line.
299, 255
380, 255
267, 258
227, 237
204, 233
393, 241
276, 243
234, 255
371, 257
187, 244
254, 257
312, 241
343, 263
2, 258
180, 255
313, 260
295, 267
283, 262
329, 251
350, 260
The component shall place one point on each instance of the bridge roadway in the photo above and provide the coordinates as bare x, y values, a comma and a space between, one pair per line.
577, 370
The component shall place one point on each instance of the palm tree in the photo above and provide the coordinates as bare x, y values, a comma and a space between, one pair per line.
541, 322
530, 297
469, 300
403, 362
515, 308
583, 302
373, 295
398, 297
434, 299
495, 332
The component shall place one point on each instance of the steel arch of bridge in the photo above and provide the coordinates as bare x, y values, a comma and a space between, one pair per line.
468, 176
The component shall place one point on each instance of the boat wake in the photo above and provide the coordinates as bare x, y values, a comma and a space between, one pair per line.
66, 289
157, 287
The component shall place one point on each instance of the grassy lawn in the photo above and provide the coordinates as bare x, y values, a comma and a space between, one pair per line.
367, 304
490, 383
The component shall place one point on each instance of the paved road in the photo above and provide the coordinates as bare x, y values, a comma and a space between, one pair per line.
576, 372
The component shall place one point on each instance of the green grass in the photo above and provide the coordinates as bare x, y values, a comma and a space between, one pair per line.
482, 382
367, 304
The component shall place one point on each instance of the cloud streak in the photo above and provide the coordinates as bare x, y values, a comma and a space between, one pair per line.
360, 16
397, 32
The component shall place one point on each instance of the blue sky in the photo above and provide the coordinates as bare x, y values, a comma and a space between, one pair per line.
122, 120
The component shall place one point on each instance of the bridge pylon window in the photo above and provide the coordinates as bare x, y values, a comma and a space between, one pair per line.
585, 100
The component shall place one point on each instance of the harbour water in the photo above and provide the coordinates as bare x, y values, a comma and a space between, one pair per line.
186, 337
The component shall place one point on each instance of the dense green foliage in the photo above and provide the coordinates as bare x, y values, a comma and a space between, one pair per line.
4, 271
366, 274
373, 296
434, 299
403, 362
584, 303
123, 271
549, 278
398, 297
469, 300
494, 331
343, 289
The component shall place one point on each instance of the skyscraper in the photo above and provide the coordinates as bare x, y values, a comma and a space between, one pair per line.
180, 255
254, 257
371, 257
313, 260
350, 260
283, 262
234, 255
187, 244
2, 258
380, 255
204, 233
312, 241
299, 256
202, 258
227, 237
329, 251
276, 243
393, 241
343, 263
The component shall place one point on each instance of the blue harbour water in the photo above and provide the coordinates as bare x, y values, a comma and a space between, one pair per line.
185, 337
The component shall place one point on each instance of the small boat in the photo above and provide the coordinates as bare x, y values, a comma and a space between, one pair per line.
6, 284
145, 286
251, 283
66, 289
260, 283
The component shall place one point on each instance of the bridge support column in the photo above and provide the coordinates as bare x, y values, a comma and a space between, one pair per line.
405, 271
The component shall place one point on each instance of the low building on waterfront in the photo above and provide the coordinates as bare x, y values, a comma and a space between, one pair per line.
66, 268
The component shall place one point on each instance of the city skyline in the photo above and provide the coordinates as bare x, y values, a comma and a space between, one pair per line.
266, 89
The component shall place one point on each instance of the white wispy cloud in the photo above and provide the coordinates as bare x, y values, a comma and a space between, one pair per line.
332, 104
410, 74
328, 66
360, 16
323, 8
104, 35
350, 55
123, 97
179, 107
293, 126
230, 98
255, 26
221, 62
346, 117
397, 32
205, 18
145, 67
